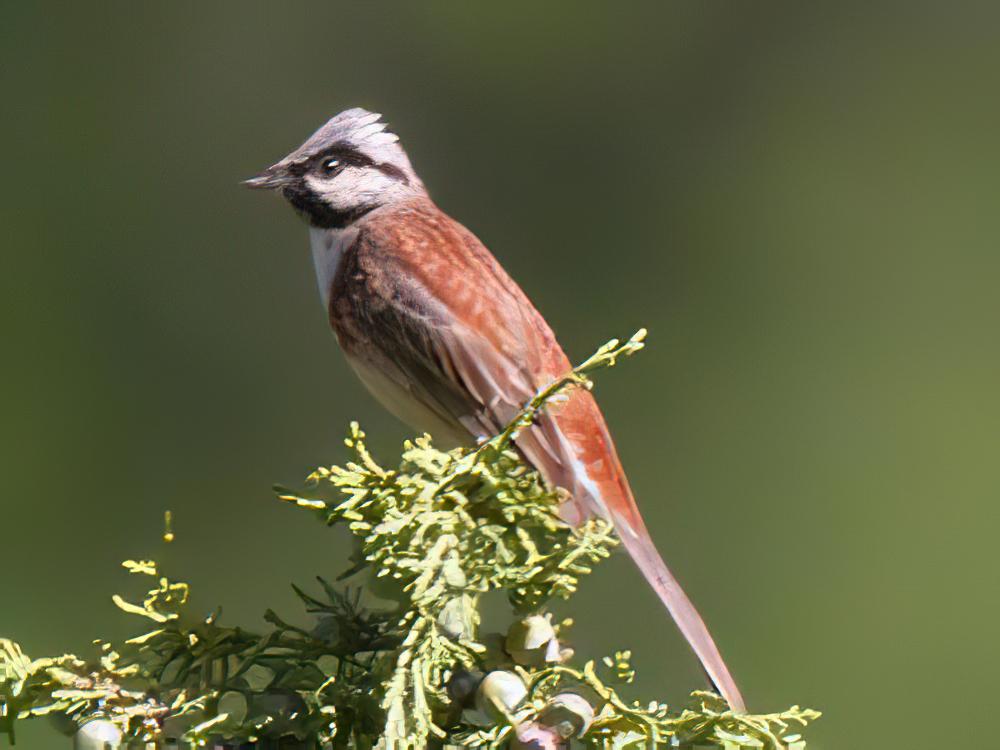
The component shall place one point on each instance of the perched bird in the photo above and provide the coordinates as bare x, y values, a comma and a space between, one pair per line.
446, 340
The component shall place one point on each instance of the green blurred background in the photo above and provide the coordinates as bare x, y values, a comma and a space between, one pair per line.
800, 202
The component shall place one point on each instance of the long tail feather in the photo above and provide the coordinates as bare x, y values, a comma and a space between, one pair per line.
640, 546
573, 449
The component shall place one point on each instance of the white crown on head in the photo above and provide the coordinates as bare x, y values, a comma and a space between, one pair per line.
362, 131
358, 127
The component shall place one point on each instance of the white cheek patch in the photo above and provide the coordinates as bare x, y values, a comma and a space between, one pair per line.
353, 187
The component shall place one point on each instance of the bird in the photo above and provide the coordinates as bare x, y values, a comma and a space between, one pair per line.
448, 342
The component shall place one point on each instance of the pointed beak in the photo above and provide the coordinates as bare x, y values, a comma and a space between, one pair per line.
272, 178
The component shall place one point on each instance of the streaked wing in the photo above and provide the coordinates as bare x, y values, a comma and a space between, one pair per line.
421, 303
472, 354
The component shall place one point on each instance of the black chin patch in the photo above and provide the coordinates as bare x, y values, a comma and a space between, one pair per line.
317, 212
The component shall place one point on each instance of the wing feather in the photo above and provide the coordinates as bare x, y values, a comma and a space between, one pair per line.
419, 300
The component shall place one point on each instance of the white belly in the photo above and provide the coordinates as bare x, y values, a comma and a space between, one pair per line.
328, 246
407, 409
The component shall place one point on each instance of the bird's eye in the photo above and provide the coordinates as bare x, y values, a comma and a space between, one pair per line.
331, 165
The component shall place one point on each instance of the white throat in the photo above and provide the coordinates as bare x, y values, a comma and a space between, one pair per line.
328, 246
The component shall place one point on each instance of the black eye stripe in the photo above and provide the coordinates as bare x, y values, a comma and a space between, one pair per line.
346, 156
393, 172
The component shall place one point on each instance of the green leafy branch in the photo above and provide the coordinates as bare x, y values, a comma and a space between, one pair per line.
435, 533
